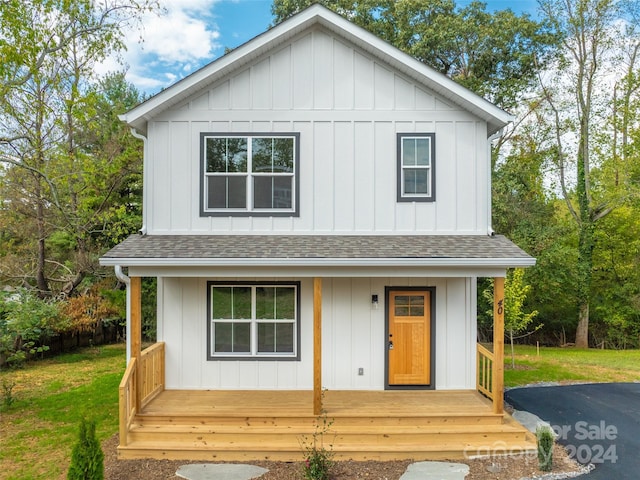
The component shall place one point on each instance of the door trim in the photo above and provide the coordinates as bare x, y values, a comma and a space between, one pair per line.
432, 346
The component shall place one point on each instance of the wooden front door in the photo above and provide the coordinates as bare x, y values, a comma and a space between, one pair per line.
409, 342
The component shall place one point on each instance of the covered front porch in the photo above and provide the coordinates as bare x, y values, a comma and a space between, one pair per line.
227, 425
235, 425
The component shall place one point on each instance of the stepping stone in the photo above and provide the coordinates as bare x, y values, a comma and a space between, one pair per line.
219, 471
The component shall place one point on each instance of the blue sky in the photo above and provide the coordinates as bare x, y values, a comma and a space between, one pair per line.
192, 33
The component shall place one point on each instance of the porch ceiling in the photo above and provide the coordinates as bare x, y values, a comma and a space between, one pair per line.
317, 251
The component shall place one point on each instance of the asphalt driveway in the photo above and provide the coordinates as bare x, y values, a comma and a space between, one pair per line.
599, 423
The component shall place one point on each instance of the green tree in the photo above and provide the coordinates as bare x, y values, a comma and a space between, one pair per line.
57, 178
516, 321
581, 132
528, 212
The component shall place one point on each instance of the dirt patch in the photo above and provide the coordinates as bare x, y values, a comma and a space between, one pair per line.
497, 468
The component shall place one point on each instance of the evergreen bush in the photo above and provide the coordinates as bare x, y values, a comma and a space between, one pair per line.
545, 437
87, 458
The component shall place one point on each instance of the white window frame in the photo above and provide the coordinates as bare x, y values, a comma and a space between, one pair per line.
254, 322
249, 209
430, 196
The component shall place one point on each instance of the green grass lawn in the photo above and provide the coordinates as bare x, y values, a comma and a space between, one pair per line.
570, 365
38, 430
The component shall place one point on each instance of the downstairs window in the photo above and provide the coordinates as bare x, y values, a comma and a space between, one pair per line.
253, 320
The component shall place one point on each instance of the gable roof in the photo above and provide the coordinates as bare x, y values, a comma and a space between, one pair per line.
318, 250
308, 18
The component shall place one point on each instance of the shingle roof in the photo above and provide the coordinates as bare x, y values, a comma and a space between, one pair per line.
315, 249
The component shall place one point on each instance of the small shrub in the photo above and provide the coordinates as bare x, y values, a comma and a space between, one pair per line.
545, 437
27, 323
7, 394
87, 458
318, 460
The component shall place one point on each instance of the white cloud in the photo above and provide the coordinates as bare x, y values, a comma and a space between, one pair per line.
170, 45
179, 37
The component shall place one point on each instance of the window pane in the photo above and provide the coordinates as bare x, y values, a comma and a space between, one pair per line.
402, 300
237, 192
216, 192
423, 151
236, 154
402, 306
416, 308
223, 337
408, 151
284, 337
226, 192
285, 303
266, 337
283, 155
272, 192
216, 154
232, 337
272, 155
275, 337
265, 303
416, 181
262, 155
226, 154
282, 192
221, 302
242, 338
241, 302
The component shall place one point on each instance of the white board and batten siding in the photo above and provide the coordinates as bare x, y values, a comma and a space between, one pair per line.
353, 337
347, 107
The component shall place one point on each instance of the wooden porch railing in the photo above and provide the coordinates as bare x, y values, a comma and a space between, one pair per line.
484, 382
142, 381
151, 373
128, 399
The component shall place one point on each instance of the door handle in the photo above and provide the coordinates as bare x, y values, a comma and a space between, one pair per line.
390, 345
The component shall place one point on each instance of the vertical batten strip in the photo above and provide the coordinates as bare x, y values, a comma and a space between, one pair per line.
317, 346
498, 345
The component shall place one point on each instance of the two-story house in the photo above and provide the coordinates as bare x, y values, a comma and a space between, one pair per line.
317, 210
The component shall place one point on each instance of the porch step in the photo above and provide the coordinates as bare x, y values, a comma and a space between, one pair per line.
284, 438
364, 425
305, 421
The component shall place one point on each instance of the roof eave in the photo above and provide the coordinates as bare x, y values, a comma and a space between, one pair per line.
321, 262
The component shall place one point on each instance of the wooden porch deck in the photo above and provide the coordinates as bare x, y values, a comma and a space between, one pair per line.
364, 425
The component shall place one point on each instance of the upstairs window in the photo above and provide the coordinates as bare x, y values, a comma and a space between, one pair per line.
416, 167
250, 174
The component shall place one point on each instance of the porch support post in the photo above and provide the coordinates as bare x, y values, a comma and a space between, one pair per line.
136, 334
317, 345
136, 317
498, 345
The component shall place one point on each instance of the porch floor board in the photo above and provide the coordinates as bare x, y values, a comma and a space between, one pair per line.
364, 425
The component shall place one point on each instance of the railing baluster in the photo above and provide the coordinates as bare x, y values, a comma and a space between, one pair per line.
485, 371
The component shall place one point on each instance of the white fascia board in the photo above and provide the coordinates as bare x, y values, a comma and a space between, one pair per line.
311, 272
320, 262
443, 85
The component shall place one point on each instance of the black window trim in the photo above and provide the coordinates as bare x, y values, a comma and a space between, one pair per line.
295, 212
409, 198
254, 358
